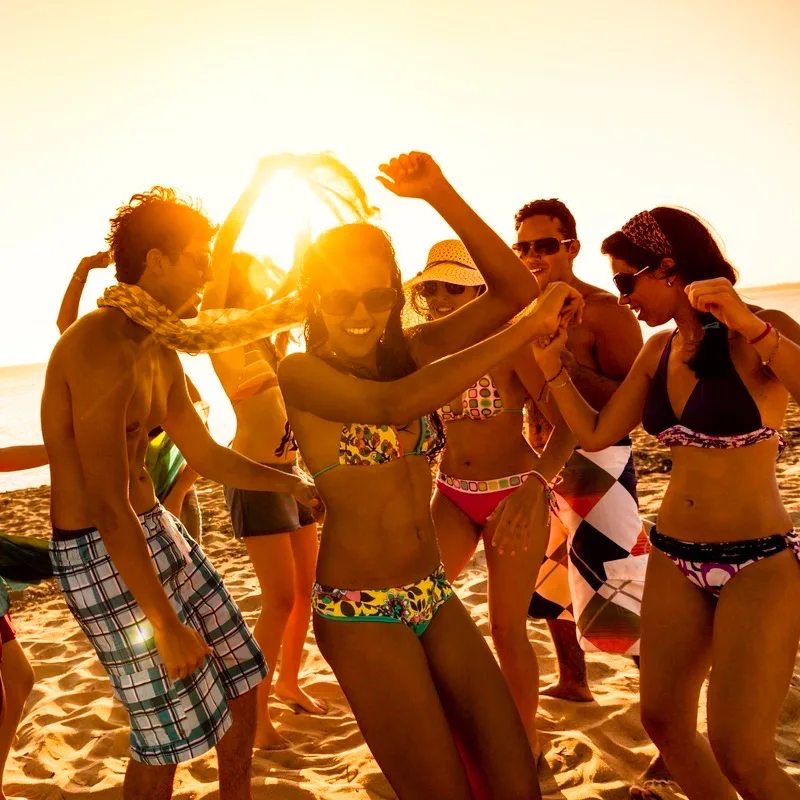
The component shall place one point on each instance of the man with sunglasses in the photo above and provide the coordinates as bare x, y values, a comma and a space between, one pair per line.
600, 527
176, 648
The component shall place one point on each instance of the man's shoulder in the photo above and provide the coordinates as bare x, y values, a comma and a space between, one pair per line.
91, 341
602, 306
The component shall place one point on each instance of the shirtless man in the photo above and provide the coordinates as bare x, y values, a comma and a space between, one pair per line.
600, 520
174, 644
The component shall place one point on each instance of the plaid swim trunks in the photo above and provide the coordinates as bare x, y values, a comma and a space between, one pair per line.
171, 721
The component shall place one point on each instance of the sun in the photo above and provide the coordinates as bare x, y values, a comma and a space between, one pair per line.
286, 209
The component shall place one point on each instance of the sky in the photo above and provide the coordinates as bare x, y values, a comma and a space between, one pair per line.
612, 106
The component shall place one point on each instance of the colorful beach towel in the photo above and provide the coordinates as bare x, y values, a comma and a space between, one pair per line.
594, 568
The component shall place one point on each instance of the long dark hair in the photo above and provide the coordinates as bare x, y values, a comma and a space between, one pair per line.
697, 257
330, 253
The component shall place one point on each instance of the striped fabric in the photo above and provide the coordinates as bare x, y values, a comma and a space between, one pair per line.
171, 721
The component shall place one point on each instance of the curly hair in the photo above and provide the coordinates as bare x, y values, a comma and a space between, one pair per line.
552, 208
697, 257
158, 219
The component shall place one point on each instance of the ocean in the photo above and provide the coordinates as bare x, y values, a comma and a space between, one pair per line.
21, 390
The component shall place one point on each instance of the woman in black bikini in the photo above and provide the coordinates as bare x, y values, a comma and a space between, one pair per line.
419, 677
723, 581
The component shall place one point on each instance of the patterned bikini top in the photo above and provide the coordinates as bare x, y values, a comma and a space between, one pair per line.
374, 445
681, 436
480, 401
720, 413
257, 376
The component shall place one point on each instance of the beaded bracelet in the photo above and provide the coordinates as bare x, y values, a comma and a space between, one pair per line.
78, 278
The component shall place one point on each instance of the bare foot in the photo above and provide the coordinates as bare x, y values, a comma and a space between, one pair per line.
294, 695
655, 783
574, 692
267, 738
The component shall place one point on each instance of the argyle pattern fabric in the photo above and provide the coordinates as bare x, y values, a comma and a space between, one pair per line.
594, 566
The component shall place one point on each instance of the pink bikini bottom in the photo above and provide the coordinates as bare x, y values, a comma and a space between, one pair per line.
478, 499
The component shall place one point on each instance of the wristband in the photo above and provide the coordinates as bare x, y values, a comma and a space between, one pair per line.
761, 335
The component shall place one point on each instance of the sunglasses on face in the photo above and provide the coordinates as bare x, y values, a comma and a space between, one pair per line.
547, 246
626, 281
341, 302
200, 261
429, 288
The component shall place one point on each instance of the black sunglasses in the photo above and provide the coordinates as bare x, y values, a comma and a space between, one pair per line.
429, 288
548, 246
341, 302
626, 281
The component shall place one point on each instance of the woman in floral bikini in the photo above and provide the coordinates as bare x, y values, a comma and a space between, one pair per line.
424, 687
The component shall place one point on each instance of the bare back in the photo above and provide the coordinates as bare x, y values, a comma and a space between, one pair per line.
105, 374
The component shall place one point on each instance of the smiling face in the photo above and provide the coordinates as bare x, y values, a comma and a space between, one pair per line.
356, 307
441, 299
547, 268
651, 298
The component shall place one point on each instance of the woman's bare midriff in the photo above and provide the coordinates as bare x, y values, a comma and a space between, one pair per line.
378, 531
723, 495
486, 449
260, 426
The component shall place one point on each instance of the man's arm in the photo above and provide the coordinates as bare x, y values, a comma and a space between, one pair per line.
210, 459
617, 342
99, 407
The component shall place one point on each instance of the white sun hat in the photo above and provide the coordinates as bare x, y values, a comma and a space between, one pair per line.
449, 262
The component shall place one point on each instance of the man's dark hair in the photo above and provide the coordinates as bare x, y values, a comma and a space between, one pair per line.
158, 219
552, 208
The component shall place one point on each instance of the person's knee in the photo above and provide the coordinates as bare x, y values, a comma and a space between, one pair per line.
744, 765
508, 633
22, 685
661, 722
244, 708
278, 602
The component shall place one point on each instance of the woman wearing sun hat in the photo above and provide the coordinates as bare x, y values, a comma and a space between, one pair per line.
491, 483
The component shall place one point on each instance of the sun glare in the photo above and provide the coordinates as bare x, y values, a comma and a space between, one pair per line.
286, 208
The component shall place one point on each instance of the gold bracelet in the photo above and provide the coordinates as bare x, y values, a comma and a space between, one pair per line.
78, 278
774, 349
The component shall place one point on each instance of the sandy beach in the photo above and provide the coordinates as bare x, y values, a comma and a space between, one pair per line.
72, 741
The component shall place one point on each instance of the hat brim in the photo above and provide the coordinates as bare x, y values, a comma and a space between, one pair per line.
448, 272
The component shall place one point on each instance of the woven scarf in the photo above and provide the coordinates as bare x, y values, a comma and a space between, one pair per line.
213, 330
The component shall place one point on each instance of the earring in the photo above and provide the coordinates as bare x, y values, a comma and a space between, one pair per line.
670, 281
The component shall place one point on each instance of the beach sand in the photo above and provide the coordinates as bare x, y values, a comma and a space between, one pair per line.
72, 741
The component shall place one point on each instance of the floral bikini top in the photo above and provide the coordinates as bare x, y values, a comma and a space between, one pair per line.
480, 401
373, 445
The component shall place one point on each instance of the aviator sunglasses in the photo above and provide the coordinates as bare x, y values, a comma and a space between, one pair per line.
626, 281
341, 302
547, 246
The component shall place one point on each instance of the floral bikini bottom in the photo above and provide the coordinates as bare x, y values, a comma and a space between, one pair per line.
414, 605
